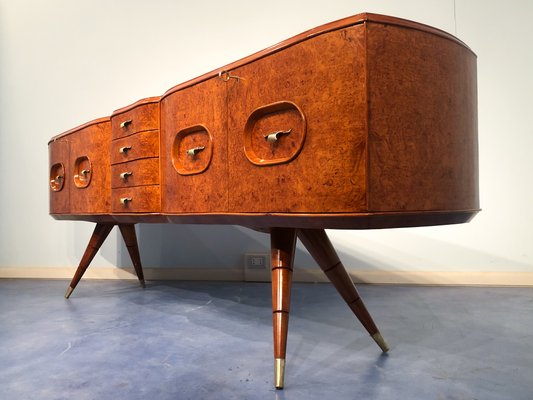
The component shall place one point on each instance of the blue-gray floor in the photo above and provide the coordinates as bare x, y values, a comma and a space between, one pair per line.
191, 340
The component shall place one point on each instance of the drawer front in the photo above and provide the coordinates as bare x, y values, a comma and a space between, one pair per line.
140, 199
142, 118
141, 145
135, 173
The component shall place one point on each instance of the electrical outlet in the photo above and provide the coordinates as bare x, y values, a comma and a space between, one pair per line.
257, 267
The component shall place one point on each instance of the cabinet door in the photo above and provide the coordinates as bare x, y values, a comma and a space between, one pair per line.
59, 176
193, 149
90, 183
297, 128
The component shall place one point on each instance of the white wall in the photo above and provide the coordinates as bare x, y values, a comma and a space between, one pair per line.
63, 63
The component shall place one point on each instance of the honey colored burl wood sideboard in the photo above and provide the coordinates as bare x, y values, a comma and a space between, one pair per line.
367, 122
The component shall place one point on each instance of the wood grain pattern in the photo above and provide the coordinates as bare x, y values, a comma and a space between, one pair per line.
142, 116
367, 122
92, 142
317, 243
390, 128
200, 105
59, 156
100, 233
144, 199
130, 240
142, 145
330, 172
143, 172
423, 122
355, 20
282, 244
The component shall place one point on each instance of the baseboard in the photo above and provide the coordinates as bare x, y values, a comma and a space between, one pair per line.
163, 274
481, 278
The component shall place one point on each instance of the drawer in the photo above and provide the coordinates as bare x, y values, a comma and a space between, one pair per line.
141, 145
143, 117
145, 199
135, 173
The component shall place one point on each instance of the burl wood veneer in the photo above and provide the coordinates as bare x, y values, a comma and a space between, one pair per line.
366, 122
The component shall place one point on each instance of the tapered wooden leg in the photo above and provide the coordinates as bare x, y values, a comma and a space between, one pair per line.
97, 239
130, 238
282, 243
319, 246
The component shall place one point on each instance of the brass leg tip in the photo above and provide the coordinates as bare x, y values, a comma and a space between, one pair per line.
68, 292
381, 342
279, 372
143, 283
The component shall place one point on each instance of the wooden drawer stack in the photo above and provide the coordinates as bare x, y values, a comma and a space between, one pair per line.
135, 158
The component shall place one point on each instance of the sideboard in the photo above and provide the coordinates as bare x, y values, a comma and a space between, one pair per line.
363, 123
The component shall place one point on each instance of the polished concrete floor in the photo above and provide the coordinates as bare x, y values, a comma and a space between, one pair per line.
198, 340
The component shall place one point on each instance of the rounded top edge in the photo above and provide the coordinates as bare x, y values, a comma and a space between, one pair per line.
96, 121
146, 100
356, 19
406, 23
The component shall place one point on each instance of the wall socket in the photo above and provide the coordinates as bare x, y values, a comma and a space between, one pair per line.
257, 267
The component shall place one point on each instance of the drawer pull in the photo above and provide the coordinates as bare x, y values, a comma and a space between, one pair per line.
124, 175
82, 176
195, 150
274, 136
124, 150
57, 183
125, 124
125, 200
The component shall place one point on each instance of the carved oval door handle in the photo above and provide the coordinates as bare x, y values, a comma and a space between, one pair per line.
274, 136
